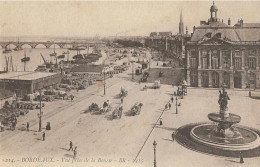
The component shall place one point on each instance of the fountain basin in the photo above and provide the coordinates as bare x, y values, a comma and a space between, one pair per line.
242, 139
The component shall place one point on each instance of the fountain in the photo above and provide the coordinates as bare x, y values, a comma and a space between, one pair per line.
224, 134
223, 137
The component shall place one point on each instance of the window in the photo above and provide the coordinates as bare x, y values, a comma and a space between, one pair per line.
193, 77
238, 63
205, 79
193, 62
225, 62
226, 79
204, 62
251, 63
215, 79
214, 62
193, 52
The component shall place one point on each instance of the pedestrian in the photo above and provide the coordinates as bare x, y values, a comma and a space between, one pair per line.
172, 99
27, 126
170, 106
173, 136
166, 106
161, 121
122, 100
43, 136
241, 157
75, 152
71, 148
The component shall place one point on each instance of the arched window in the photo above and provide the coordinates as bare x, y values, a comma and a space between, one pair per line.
218, 35
208, 35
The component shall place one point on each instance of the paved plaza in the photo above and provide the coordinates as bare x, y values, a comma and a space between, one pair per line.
99, 138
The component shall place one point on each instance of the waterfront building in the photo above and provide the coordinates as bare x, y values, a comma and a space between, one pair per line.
171, 46
27, 82
221, 55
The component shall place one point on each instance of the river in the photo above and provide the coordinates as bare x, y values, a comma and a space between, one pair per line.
35, 57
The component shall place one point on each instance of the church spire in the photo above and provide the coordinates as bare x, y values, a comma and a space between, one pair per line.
181, 27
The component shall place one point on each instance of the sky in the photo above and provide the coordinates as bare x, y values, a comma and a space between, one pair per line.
111, 18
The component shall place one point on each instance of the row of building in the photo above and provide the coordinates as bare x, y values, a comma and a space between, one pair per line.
215, 54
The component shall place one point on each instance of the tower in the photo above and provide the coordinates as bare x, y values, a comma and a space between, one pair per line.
181, 27
213, 9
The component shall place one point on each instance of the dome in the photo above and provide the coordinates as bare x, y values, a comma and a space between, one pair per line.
213, 8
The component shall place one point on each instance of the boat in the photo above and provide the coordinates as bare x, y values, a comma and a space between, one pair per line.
72, 48
18, 48
76, 48
7, 50
25, 59
46, 67
78, 57
54, 53
61, 57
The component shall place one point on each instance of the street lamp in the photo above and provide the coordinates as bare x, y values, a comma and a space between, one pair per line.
154, 148
41, 113
132, 61
104, 72
176, 105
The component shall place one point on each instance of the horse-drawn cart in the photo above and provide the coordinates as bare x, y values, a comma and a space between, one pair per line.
136, 109
123, 93
117, 113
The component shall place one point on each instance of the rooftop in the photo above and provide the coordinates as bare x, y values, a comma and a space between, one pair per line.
25, 75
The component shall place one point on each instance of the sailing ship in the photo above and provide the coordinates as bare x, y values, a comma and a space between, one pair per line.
54, 53
25, 59
18, 47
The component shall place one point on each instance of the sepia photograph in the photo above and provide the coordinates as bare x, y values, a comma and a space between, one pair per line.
129, 83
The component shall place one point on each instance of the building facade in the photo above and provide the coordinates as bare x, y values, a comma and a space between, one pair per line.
27, 82
166, 42
221, 55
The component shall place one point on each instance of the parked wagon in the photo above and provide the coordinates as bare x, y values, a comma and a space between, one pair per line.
136, 109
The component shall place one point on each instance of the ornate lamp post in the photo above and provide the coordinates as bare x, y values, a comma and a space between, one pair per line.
41, 113
104, 72
154, 148
176, 99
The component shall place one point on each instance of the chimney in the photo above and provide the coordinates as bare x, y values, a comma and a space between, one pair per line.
187, 30
229, 21
222, 20
194, 29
